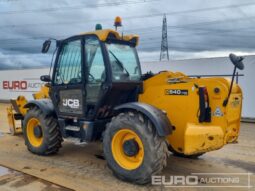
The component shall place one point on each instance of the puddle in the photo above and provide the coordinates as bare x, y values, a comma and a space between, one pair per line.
4, 171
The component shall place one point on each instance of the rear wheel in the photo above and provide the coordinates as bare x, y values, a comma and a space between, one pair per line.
41, 133
132, 148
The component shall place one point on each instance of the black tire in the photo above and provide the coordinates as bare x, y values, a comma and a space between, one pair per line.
155, 148
194, 156
52, 138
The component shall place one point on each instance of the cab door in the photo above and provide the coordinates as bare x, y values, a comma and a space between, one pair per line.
96, 74
68, 81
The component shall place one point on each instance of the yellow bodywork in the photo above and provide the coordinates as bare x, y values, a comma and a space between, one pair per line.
17, 107
103, 34
189, 136
13, 127
127, 162
33, 140
42, 94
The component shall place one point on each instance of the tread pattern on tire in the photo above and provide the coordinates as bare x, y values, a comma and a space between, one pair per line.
52, 135
155, 145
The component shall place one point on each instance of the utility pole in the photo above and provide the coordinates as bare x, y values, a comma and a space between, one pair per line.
164, 43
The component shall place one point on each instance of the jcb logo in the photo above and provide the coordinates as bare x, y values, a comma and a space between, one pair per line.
72, 103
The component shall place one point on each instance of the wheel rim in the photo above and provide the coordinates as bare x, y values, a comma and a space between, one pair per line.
120, 155
35, 139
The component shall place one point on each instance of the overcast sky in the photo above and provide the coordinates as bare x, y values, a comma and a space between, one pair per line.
197, 28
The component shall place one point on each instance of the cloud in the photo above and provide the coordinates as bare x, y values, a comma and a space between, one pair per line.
20, 61
179, 55
199, 28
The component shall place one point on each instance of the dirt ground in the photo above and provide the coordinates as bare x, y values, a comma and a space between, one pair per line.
76, 166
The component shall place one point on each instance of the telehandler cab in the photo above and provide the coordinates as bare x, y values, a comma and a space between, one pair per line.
97, 92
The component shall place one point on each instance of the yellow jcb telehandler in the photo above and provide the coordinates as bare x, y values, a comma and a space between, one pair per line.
97, 92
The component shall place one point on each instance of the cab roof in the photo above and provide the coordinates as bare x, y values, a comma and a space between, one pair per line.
104, 34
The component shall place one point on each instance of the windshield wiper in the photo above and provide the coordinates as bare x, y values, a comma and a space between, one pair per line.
120, 63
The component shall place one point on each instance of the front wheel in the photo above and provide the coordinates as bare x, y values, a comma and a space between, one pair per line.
41, 133
132, 148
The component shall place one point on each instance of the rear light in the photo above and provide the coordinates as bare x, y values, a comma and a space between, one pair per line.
204, 106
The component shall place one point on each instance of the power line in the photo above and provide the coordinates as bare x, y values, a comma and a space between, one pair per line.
171, 27
179, 28
69, 8
207, 32
199, 23
134, 17
172, 36
145, 37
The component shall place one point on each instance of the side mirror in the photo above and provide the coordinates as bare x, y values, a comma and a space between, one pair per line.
237, 61
45, 78
46, 46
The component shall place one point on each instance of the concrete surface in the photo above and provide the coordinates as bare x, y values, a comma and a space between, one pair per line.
76, 166
11, 180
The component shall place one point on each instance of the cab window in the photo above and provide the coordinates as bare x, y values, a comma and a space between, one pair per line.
94, 60
68, 70
124, 63
95, 68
